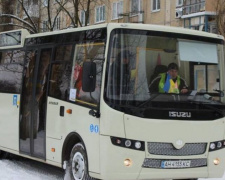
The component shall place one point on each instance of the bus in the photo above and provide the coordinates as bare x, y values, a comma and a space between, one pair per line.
81, 99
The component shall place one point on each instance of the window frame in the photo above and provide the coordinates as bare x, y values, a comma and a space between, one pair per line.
157, 2
83, 17
178, 3
100, 9
135, 13
45, 3
119, 7
57, 24
44, 26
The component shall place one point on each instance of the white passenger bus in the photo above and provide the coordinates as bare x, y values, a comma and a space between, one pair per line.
81, 99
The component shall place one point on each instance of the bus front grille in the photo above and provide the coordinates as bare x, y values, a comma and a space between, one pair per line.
169, 150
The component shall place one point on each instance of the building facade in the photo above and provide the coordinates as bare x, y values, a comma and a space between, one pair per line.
63, 14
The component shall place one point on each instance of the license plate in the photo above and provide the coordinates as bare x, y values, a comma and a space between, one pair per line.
176, 164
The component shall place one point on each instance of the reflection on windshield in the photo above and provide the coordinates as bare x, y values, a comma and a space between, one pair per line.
147, 71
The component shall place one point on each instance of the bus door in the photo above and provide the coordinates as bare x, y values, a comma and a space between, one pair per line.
33, 102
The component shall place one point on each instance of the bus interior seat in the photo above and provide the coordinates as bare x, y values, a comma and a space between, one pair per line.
158, 70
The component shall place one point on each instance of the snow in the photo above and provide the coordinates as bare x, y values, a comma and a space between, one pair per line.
27, 169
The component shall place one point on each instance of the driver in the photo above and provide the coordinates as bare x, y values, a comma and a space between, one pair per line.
169, 82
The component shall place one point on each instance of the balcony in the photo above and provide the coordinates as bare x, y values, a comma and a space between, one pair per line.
193, 8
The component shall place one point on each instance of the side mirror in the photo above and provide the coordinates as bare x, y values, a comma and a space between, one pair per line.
89, 77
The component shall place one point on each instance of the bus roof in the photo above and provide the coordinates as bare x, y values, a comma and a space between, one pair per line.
112, 26
150, 27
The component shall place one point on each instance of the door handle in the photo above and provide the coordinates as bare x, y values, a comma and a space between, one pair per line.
61, 111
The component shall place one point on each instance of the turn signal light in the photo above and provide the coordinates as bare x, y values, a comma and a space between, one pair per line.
53, 149
69, 111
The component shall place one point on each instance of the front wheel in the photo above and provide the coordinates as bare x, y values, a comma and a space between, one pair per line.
77, 168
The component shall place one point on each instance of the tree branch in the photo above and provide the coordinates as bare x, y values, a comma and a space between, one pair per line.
32, 22
67, 12
18, 19
17, 25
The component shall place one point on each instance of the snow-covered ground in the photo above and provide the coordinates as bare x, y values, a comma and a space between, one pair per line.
25, 169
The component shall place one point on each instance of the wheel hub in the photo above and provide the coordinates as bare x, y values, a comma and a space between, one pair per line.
78, 166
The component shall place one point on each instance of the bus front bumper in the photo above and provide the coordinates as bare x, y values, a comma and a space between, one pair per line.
114, 164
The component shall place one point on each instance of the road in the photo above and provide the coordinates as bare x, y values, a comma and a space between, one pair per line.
25, 169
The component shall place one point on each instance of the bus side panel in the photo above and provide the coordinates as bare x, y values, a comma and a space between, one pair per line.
9, 121
58, 127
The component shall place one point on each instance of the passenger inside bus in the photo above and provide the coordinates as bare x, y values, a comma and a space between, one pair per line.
169, 82
78, 70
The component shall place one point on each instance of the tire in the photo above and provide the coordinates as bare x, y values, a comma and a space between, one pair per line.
187, 179
77, 167
4, 155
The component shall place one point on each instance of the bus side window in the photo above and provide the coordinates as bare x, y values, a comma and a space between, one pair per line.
11, 68
92, 52
61, 72
59, 81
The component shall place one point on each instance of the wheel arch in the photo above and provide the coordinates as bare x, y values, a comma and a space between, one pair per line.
71, 139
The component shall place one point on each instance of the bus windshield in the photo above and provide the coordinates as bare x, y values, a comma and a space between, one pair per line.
176, 75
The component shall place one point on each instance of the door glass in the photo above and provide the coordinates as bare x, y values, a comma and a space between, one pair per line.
26, 101
213, 77
39, 112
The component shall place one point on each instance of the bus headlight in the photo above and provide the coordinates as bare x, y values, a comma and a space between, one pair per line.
128, 143
137, 145
213, 146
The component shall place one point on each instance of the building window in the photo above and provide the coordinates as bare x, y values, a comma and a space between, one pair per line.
45, 3
155, 5
135, 6
45, 26
57, 24
83, 18
100, 14
117, 9
179, 2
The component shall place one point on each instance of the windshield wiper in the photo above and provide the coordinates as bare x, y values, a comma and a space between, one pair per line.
148, 100
211, 107
221, 93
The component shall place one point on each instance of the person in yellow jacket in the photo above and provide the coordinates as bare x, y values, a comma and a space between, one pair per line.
169, 82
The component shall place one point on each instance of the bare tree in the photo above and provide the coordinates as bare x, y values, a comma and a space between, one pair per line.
220, 18
80, 5
26, 20
29, 15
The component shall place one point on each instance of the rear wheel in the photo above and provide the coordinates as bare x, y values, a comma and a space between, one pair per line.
187, 179
77, 168
4, 155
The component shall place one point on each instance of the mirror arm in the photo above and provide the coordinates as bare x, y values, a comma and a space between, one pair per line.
94, 113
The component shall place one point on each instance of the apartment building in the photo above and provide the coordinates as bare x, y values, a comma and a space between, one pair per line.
199, 15
192, 14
